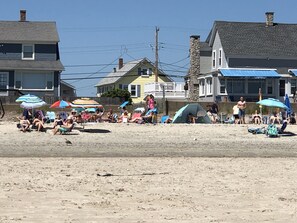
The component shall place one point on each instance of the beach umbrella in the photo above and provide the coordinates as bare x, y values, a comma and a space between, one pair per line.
85, 103
124, 104
272, 102
32, 105
195, 109
288, 104
61, 104
91, 110
28, 98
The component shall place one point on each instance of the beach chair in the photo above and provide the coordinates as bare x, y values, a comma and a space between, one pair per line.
64, 131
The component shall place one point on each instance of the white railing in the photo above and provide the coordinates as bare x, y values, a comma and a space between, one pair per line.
171, 89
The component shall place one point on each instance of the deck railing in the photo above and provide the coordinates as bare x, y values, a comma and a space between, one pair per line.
171, 89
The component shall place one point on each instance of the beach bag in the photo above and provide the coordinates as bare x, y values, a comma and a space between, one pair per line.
272, 130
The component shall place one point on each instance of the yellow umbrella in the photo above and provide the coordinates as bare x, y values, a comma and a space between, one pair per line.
85, 103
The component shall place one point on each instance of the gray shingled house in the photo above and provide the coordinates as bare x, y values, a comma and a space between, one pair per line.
241, 58
29, 57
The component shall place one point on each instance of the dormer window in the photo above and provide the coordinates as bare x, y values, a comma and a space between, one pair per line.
144, 71
28, 52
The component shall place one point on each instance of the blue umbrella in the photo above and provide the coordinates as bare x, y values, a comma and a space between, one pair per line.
124, 104
28, 98
288, 104
272, 102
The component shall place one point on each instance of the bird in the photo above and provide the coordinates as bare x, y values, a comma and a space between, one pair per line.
68, 142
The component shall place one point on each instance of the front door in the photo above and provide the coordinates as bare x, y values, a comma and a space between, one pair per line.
282, 88
3, 83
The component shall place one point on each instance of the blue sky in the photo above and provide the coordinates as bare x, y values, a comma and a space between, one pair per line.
95, 33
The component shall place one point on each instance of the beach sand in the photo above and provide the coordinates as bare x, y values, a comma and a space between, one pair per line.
147, 173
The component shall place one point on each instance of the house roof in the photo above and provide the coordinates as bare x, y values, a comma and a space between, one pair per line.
247, 39
31, 65
67, 84
28, 31
113, 77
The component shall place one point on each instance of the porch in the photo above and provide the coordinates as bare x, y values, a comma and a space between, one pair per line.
170, 90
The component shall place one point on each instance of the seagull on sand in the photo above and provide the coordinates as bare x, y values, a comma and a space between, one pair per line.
68, 143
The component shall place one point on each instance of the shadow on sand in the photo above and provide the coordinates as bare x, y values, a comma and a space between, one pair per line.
95, 130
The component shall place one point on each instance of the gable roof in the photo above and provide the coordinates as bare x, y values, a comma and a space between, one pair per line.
28, 31
256, 40
113, 77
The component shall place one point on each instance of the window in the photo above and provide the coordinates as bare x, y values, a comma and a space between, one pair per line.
254, 85
236, 86
220, 57
4, 83
34, 81
269, 86
214, 59
123, 86
202, 87
145, 71
209, 86
134, 90
293, 86
28, 52
222, 86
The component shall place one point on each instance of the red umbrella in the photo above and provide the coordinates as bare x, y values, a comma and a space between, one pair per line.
61, 104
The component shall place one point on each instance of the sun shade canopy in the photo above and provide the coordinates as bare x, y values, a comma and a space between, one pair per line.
249, 73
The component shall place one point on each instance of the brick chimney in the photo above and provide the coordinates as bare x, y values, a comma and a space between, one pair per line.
269, 19
121, 63
22, 15
194, 68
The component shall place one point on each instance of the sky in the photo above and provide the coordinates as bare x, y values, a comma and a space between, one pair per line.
94, 34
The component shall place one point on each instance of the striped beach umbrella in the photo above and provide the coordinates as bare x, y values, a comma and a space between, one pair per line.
29, 98
61, 104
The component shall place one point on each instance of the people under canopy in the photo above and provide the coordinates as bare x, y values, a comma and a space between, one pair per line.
181, 116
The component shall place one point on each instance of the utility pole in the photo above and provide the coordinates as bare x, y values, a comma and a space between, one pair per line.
156, 55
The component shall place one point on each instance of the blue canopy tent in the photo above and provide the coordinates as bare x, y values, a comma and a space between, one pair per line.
196, 110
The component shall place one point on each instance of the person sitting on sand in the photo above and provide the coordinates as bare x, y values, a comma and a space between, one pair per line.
58, 121
191, 118
38, 123
24, 124
124, 118
66, 127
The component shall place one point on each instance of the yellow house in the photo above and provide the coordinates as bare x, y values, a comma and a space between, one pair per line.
131, 76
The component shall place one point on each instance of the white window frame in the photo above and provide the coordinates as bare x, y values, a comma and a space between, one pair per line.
220, 62
23, 73
209, 86
202, 87
224, 85
33, 52
293, 80
5, 93
214, 59
136, 90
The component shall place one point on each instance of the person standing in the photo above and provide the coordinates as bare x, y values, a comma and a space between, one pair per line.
241, 104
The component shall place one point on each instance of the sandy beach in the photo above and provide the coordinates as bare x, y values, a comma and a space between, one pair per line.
147, 173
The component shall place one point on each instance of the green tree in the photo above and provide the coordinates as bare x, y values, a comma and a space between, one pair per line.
122, 94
